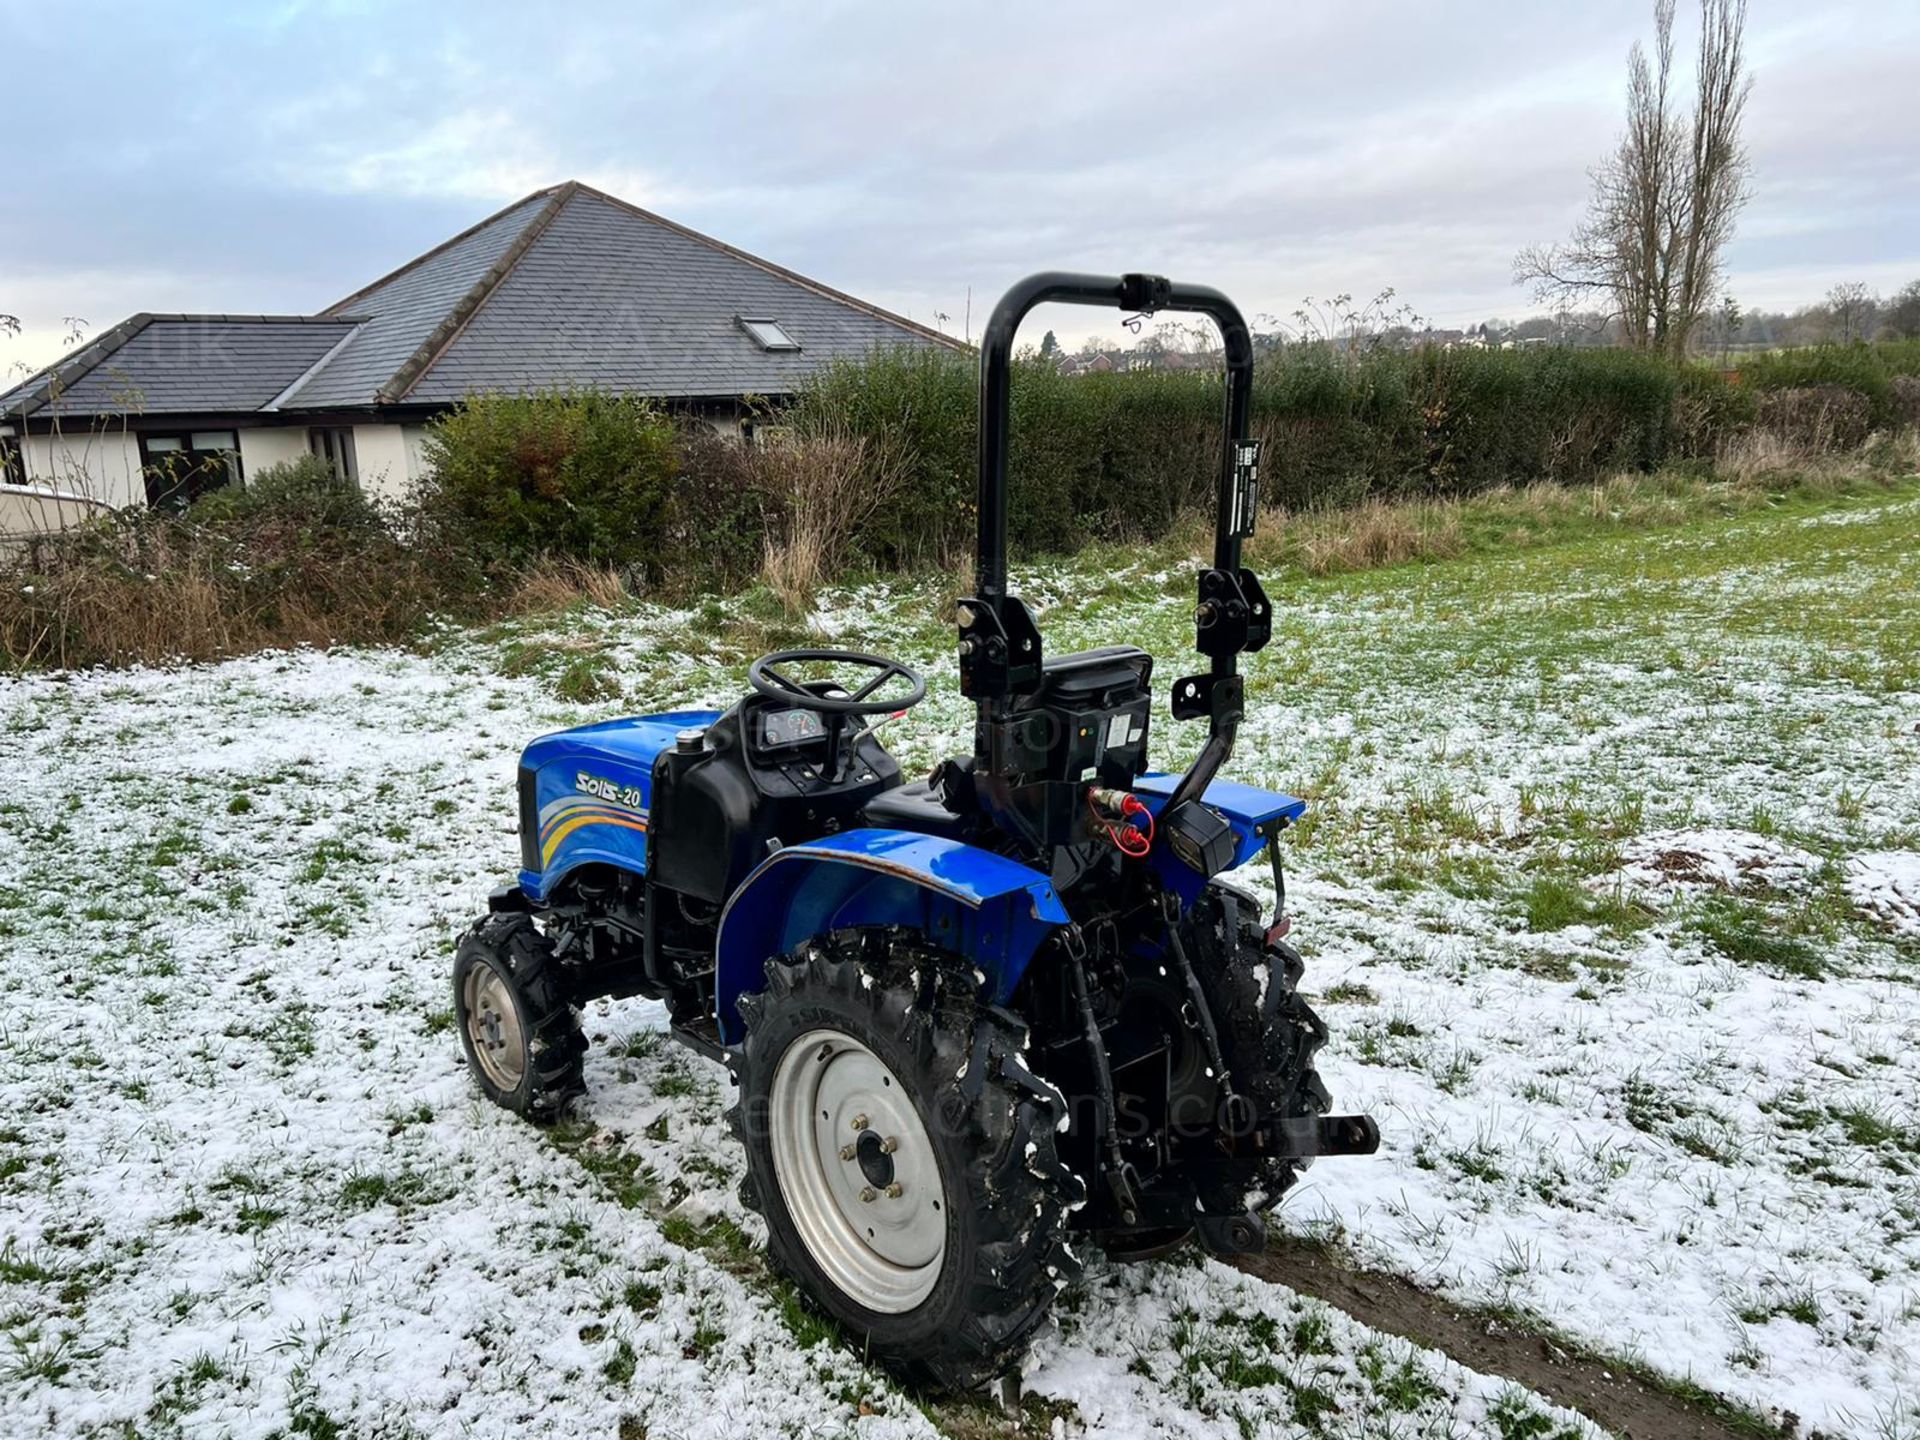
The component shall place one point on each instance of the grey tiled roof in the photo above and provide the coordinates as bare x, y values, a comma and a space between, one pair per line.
611, 298
567, 289
404, 309
181, 364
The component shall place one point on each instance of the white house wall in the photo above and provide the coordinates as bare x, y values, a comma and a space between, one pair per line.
416, 438
265, 446
99, 464
385, 460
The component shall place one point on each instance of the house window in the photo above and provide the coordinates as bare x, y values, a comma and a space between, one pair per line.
335, 446
762, 436
768, 334
183, 466
13, 466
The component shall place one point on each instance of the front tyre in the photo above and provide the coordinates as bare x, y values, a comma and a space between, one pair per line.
903, 1155
520, 1033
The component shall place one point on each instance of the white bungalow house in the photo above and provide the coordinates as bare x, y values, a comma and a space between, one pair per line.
569, 288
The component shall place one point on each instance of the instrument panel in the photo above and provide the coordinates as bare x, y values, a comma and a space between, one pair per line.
789, 727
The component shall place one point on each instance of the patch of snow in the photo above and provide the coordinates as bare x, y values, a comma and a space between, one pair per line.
1711, 858
1886, 884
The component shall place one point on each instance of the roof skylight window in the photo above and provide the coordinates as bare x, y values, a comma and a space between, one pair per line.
767, 334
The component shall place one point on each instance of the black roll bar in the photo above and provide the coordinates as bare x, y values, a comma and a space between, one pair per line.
1144, 294
1218, 693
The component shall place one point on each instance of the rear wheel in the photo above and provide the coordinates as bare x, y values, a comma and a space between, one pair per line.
521, 1035
903, 1155
1269, 1036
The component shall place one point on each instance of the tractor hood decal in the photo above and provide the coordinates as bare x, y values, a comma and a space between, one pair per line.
593, 789
561, 818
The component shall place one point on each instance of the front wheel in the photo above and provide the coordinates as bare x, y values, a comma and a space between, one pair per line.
903, 1155
520, 1033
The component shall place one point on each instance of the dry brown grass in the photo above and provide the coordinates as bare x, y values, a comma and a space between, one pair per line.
1373, 534
1758, 454
1755, 472
820, 489
562, 584
86, 618
149, 588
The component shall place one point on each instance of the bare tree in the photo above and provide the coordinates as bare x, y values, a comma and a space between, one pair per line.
1664, 203
1852, 305
1903, 312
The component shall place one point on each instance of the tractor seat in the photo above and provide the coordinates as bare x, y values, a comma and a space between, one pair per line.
916, 806
1095, 659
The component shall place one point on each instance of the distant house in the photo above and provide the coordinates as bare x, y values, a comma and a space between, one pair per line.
567, 289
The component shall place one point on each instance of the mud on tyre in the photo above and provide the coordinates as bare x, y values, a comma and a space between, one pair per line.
1269, 1036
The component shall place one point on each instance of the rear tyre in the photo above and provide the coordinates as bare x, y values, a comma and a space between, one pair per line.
903, 1155
1269, 1036
520, 1033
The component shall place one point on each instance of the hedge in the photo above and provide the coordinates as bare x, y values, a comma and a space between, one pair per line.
1117, 456
1867, 370
1123, 455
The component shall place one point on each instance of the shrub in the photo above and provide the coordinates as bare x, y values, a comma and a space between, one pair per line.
582, 477
1906, 400
302, 500
1867, 370
716, 525
1818, 417
921, 403
293, 558
1709, 412
818, 491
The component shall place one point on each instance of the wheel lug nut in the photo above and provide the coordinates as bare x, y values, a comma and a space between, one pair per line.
860, 1122
895, 1191
889, 1145
869, 1194
846, 1153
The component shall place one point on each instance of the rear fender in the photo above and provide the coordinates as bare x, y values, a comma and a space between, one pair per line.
1253, 814
991, 910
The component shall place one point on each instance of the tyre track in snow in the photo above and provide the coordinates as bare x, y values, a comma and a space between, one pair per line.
1607, 1393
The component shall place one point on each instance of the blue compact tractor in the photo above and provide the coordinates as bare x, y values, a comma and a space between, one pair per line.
975, 1020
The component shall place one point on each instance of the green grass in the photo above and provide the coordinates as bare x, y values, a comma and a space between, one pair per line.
1749, 934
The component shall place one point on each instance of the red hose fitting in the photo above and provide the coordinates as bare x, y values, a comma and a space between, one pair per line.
1118, 814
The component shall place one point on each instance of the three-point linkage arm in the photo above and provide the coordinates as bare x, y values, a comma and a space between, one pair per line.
1000, 651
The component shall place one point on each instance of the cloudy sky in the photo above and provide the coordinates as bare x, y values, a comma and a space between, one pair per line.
274, 155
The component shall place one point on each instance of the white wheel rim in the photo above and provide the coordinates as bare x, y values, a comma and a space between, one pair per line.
493, 1025
859, 1176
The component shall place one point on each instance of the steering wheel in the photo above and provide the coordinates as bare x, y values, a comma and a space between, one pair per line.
766, 676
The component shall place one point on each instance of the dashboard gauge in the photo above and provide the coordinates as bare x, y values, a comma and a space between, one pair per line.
789, 727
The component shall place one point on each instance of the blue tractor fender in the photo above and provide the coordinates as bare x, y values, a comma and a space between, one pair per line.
1249, 810
992, 911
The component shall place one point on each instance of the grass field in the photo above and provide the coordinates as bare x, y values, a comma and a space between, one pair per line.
1608, 891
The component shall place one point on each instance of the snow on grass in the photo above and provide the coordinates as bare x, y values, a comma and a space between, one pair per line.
1886, 884
246, 1188
249, 1188
1677, 860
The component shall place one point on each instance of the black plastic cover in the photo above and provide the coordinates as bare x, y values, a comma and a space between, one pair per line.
1200, 837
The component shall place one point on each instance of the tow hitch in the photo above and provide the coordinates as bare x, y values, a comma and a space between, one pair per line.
1300, 1138
1306, 1136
